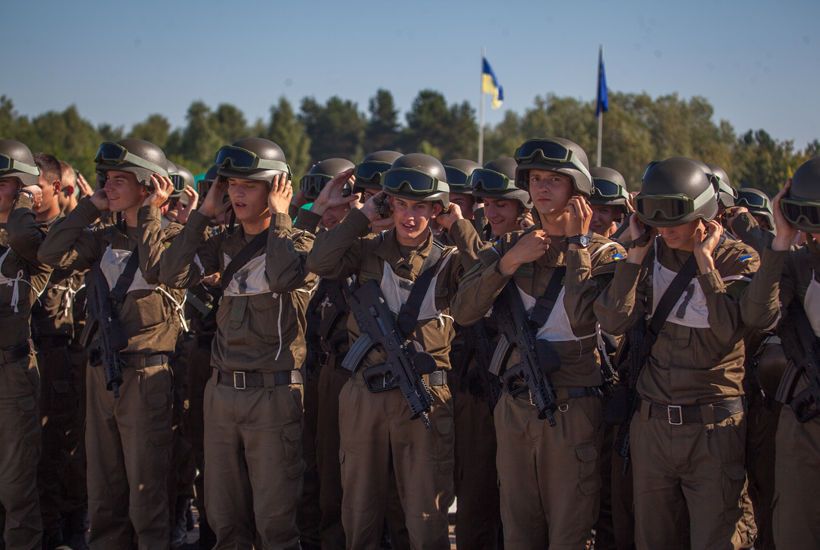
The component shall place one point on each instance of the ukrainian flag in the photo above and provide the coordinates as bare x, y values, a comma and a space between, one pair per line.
489, 84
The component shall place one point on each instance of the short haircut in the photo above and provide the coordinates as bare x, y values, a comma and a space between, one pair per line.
49, 166
68, 176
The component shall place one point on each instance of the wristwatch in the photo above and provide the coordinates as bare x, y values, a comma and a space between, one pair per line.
581, 240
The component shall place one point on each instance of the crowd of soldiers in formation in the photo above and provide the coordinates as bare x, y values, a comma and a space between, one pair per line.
580, 366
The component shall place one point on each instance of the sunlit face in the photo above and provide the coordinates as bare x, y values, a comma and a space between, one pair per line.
8, 192
550, 191
465, 202
412, 218
249, 198
502, 214
605, 219
50, 189
123, 190
333, 215
679, 237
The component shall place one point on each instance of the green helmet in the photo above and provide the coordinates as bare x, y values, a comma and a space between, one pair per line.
757, 202
801, 205
458, 173
496, 180
557, 155
207, 180
252, 158
17, 161
727, 195
136, 156
608, 188
418, 177
320, 173
369, 171
676, 191
180, 177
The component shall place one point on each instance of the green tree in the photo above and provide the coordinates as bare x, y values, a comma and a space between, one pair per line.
289, 133
155, 129
199, 141
336, 129
382, 131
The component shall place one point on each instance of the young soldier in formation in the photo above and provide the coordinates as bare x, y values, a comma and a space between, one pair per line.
376, 422
253, 401
688, 433
787, 290
548, 419
135, 328
22, 279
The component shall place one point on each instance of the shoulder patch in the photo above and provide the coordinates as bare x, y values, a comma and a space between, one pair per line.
745, 257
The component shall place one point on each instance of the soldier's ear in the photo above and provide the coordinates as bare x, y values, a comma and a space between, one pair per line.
437, 209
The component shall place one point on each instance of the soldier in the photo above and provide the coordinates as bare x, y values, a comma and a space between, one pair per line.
549, 476
475, 391
786, 289
60, 418
609, 202
376, 422
253, 401
752, 219
23, 279
128, 431
458, 178
688, 434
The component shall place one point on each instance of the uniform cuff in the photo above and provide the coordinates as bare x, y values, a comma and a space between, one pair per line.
356, 223
281, 222
86, 211
307, 220
711, 282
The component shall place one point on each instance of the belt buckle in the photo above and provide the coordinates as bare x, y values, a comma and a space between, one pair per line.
669, 415
239, 375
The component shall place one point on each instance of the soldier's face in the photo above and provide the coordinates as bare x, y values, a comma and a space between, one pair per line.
412, 218
502, 214
550, 191
8, 192
123, 190
465, 202
604, 220
679, 237
249, 198
50, 189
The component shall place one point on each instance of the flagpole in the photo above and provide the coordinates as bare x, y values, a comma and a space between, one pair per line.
597, 106
600, 134
481, 112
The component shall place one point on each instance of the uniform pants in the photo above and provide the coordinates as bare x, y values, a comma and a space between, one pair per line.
253, 465
687, 474
128, 445
550, 478
377, 427
19, 454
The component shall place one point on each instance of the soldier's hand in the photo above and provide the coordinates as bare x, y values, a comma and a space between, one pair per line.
706, 238
185, 209
281, 192
785, 232
372, 206
529, 248
100, 199
580, 216
450, 216
163, 187
641, 237
36, 195
733, 213
332, 193
83, 185
213, 201
526, 220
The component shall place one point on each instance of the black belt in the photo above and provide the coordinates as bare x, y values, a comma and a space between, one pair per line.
678, 415
242, 380
16, 353
52, 341
561, 393
141, 361
386, 382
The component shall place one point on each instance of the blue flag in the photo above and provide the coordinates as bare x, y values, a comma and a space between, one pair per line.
602, 104
490, 85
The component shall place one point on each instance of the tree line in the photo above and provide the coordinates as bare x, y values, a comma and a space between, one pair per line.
637, 129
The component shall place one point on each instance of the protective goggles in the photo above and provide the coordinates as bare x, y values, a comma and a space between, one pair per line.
312, 184
490, 181
549, 152
801, 214
178, 181
753, 201
411, 180
8, 164
608, 190
238, 158
671, 207
114, 154
370, 172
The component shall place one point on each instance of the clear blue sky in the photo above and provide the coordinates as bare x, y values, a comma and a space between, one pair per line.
758, 62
